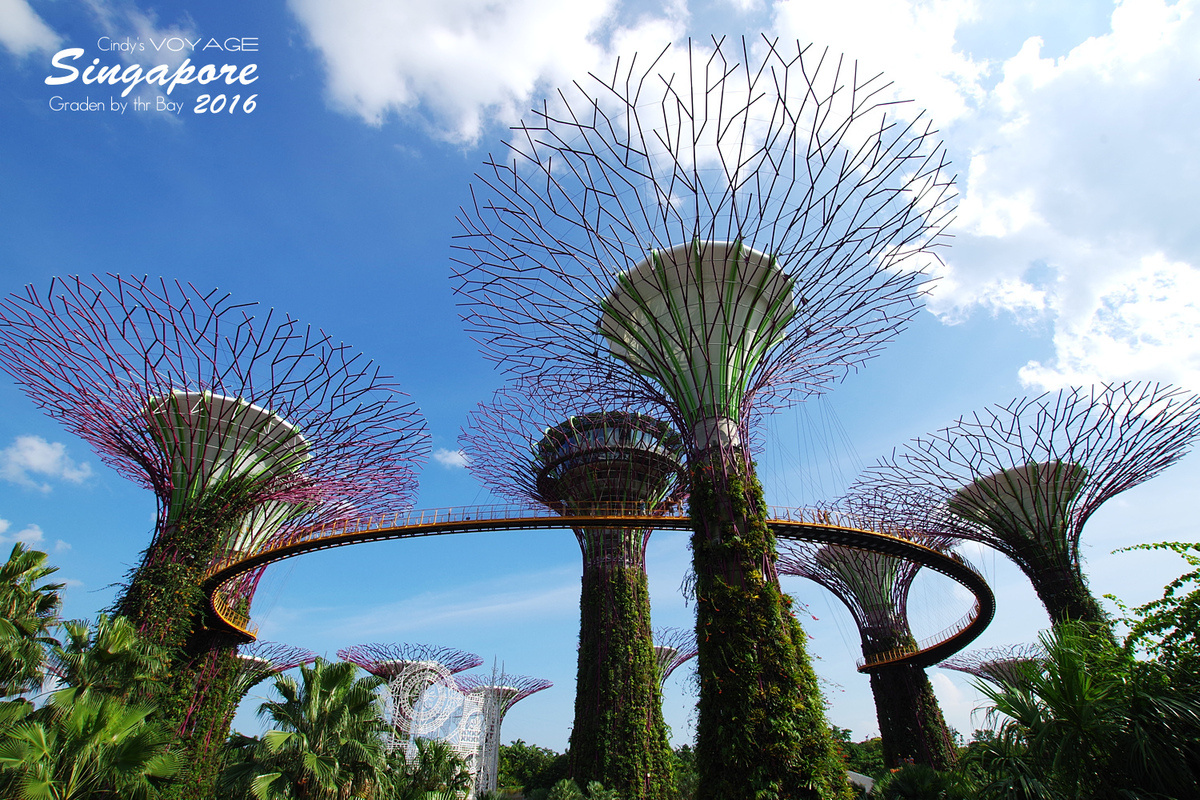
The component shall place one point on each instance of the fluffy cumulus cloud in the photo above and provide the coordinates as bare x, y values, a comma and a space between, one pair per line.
913, 44
1079, 173
31, 459
454, 66
450, 459
30, 535
1079, 199
22, 31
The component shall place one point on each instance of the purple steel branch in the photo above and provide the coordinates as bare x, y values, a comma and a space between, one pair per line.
1008, 665
383, 659
1087, 444
99, 354
673, 647
790, 152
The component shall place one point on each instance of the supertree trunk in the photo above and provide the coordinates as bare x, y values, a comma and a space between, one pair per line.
1063, 590
619, 737
911, 725
762, 729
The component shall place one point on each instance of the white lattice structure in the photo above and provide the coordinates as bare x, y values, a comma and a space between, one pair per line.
495, 695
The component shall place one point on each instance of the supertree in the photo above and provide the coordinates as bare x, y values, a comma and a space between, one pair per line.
1000, 665
422, 692
580, 461
718, 230
673, 647
875, 588
1025, 476
261, 660
496, 694
245, 426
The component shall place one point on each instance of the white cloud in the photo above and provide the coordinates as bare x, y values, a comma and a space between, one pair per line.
913, 44
33, 455
1079, 199
1144, 324
457, 65
29, 535
22, 31
451, 459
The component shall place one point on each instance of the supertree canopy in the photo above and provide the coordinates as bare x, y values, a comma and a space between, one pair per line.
875, 588
423, 695
1001, 665
496, 693
673, 647
1024, 477
581, 461
243, 425
716, 230
260, 660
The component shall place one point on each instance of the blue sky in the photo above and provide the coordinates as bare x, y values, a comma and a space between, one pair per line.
1073, 128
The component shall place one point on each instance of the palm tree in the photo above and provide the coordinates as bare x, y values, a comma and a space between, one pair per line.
107, 658
326, 743
85, 747
28, 609
436, 772
1094, 723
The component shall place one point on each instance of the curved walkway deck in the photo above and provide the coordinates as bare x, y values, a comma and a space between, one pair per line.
787, 523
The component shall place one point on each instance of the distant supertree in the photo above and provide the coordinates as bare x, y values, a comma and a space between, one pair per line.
875, 588
1024, 477
261, 660
673, 647
243, 425
496, 695
582, 461
422, 692
1000, 665
717, 230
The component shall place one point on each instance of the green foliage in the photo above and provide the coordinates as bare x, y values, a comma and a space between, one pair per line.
86, 746
1169, 628
1093, 723
865, 757
326, 739
108, 658
686, 777
437, 771
567, 789
530, 767
761, 731
922, 782
28, 609
619, 734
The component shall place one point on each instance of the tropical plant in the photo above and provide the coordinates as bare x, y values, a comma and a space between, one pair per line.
80, 746
1093, 723
28, 609
107, 658
326, 743
922, 782
436, 771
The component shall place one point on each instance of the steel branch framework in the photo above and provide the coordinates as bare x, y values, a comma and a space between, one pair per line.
184, 391
245, 426
260, 660
577, 459
628, 187
875, 588
496, 694
717, 232
673, 648
1024, 477
423, 696
1000, 665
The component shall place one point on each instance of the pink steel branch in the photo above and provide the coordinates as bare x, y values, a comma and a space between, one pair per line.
103, 356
